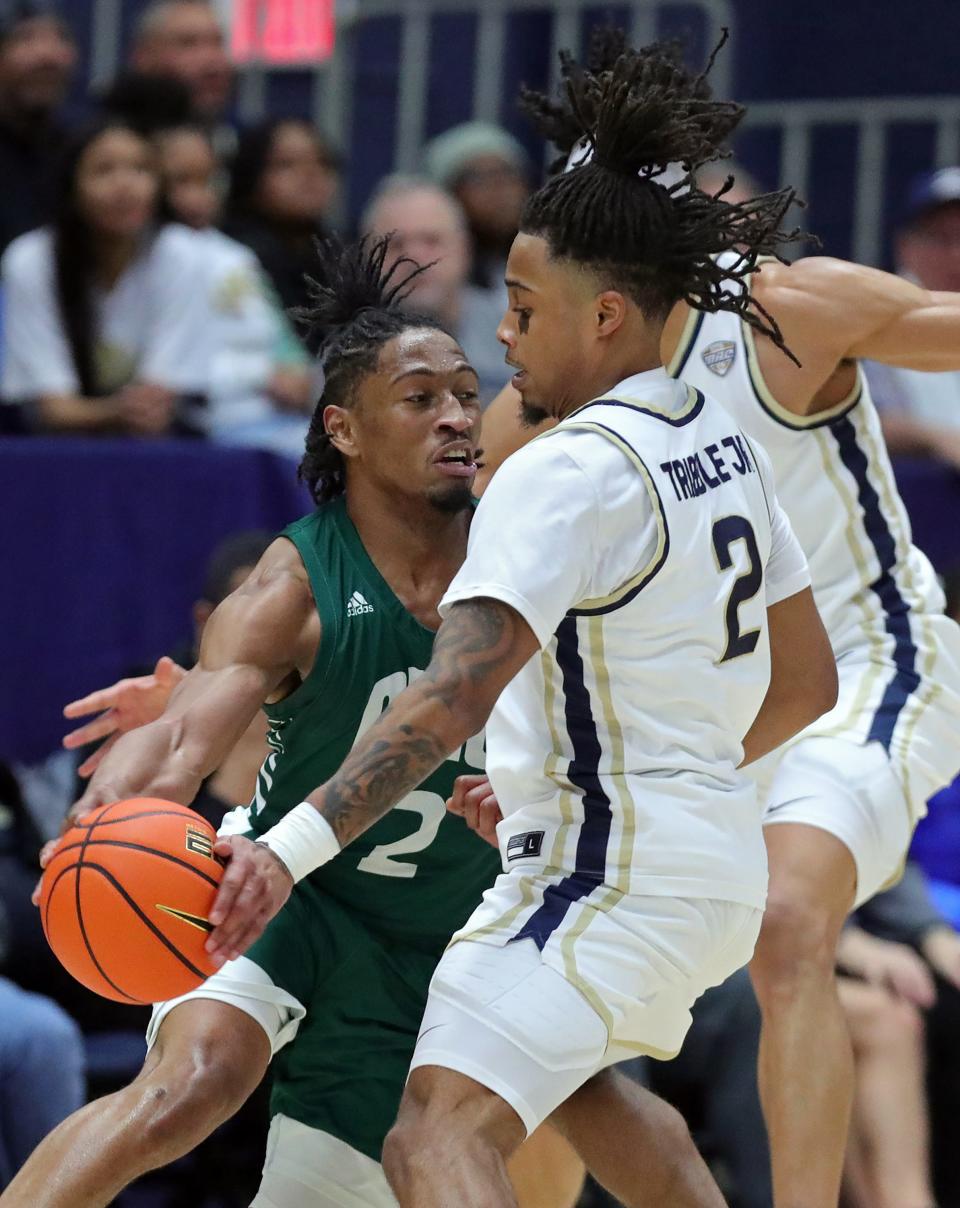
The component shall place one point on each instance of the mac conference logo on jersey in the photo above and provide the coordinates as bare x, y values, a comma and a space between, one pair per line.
719, 356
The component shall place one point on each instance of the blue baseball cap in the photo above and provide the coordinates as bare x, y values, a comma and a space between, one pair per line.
930, 190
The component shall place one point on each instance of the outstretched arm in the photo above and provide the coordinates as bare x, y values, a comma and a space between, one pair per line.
846, 311
251, 644
479, 648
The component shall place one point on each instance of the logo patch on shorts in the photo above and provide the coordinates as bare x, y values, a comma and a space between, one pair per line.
719, 356
524, 846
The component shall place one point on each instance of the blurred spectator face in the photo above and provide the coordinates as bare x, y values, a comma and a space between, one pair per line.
492, 191
299, 181
184, 39
37, 58
426, 226
930, 249
116, 184
188, 167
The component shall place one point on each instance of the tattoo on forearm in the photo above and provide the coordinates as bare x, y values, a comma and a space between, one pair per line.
473, 658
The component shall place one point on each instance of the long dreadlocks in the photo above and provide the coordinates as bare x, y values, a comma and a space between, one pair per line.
637, 114
356, 309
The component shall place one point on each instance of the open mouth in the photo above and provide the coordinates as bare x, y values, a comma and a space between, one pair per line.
458, 463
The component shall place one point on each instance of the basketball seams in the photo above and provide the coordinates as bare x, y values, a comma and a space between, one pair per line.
186, 812
151, 851
83, 930
144, 918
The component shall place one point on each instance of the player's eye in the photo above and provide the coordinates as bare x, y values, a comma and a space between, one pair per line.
421, 398
467, 396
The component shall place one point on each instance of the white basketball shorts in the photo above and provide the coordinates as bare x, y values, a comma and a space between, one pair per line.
533, 1025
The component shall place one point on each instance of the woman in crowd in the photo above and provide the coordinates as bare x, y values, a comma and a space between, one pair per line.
284, 179
104, 310
261, 384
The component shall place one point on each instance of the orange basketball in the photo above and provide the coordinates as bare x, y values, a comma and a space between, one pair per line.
125, 899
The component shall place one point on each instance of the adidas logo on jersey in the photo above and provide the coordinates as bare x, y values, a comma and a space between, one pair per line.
357, 605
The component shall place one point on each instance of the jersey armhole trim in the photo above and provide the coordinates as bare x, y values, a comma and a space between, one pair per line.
329, 629
676, 419
776, 410
636, 583
688, 340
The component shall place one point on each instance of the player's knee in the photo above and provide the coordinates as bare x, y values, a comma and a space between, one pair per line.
185, 1097
797, 941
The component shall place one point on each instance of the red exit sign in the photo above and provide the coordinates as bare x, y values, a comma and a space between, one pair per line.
282, 31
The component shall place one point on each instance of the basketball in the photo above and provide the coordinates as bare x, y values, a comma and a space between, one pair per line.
125, 898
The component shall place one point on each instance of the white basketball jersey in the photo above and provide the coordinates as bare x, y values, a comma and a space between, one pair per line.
614, 751
877, 593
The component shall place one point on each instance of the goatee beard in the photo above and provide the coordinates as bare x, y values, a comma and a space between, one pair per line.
532, 416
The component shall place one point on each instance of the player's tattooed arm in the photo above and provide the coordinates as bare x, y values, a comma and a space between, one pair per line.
480, 647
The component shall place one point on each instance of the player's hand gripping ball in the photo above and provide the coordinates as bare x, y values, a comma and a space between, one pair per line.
125, 898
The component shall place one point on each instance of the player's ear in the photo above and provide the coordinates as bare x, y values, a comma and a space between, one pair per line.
338, 423
611, 309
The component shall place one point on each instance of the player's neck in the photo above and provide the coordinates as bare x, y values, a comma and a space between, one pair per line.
412, 543
623, 360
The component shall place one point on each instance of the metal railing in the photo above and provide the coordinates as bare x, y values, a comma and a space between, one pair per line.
872, 118
332, 87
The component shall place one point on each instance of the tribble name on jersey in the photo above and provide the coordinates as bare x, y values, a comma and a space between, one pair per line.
707, 469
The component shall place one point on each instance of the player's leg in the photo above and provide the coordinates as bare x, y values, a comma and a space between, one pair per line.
837, 828
805, 1068
636, 1145
451, 1143
546, 1171
890, 1110
207, 1059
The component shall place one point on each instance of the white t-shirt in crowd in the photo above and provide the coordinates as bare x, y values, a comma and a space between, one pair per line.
152, 324
642, 542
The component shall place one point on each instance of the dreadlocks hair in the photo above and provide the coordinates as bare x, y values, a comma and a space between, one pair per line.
638, 113
355, 309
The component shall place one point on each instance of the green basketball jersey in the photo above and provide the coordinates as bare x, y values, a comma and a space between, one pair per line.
417, 873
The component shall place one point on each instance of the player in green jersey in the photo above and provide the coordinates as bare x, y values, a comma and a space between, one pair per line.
335, 620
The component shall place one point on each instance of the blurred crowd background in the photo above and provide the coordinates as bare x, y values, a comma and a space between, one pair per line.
165, 167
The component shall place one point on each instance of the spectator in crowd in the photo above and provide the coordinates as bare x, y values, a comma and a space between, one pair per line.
104, 324
261, 381
428, 226
916, 954
184, 39
920, 412
888, 1153
284, 179
41, 1073
37, 58
41, 1049
488, 172
713, 177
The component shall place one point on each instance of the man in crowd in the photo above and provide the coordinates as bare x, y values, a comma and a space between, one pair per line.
184, 39
37, 58
428, 226
921, 411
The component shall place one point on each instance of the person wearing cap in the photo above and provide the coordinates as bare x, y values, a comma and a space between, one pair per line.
921, 411
37, 59
487, 170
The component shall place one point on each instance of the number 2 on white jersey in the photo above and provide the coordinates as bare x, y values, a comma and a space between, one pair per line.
726, 532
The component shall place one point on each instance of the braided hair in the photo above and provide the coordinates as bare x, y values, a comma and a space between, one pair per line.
355, 309
639, 113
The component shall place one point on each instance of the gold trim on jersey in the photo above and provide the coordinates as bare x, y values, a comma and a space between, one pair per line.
635, 402
776, 409
614, 730
688, 338
508, 918
551, 763
918, 703
635, 582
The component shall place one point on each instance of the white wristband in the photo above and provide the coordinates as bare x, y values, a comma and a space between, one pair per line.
303, 839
